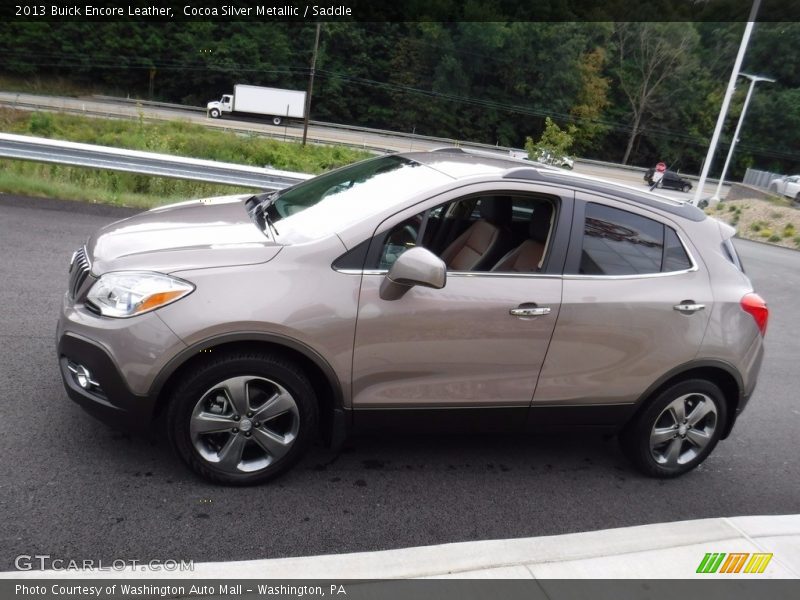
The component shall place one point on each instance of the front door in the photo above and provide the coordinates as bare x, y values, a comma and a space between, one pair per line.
478, 342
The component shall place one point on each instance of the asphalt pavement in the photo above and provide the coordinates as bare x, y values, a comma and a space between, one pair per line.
72, 488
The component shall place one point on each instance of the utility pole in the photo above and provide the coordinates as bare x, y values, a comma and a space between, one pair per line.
753, 80
311, 84
726, 101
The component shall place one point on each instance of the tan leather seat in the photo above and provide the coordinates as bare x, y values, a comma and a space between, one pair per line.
528, 256
485, 241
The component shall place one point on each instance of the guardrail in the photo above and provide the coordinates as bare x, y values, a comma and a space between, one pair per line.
442, 141
146, 163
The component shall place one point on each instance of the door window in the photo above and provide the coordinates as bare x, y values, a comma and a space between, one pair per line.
617, 242
497, 233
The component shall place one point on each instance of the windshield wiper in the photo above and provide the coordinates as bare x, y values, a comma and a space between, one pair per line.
261, 212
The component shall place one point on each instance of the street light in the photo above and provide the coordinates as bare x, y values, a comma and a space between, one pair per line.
712, 148
753, 80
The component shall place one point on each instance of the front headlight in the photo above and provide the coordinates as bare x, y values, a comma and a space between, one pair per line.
129, 293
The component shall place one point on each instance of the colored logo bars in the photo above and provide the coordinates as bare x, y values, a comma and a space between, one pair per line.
736, 562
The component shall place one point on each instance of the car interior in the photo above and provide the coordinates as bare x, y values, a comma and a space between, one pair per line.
497, 234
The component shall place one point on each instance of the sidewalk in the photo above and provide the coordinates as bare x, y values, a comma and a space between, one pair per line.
660, 551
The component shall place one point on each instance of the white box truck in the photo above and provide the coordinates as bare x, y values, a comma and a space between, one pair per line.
275, 103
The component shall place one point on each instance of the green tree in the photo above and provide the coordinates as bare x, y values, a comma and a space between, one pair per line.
592, 99
554, 141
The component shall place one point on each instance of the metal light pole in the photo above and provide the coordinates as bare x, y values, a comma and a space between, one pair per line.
723, 111
753, 80
311, 84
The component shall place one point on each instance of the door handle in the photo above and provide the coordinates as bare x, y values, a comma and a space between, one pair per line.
530, 311
688, 307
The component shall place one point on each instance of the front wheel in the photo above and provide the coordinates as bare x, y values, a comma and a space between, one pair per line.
677, 430
215, 114
243, 418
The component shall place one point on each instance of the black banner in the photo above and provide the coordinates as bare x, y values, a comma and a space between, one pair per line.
405, 10
127, 589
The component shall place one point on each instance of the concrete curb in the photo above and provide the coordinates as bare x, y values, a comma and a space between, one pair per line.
664, 550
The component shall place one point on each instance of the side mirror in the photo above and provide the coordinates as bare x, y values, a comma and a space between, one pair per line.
416, 266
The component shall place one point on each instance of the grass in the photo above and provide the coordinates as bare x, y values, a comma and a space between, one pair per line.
771, 220
174, 137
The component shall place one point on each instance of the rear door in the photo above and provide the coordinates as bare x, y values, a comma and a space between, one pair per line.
636, 303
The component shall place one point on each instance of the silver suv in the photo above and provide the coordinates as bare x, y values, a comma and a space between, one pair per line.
423, 290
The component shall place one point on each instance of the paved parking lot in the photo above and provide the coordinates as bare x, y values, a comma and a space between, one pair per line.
72, 488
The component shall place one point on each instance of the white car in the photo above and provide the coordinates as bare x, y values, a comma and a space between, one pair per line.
786, 186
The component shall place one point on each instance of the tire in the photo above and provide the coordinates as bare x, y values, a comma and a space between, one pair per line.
685, 187
277, 120
225, 395
684, 446
215, 114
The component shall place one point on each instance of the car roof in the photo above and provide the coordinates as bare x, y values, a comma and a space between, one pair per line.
461, 163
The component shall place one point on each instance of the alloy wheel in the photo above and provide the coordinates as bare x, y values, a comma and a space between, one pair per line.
244, 424
683, 429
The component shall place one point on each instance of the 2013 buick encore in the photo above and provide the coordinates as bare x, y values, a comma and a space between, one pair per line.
447, 288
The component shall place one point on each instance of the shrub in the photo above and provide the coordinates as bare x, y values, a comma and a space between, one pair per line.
774, 238
41, 124
756, 226
789, 230
765, 233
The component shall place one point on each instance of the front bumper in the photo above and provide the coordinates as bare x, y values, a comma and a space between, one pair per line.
111, 401
124, 357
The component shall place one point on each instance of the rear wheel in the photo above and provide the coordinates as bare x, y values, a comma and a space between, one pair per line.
677, 430
277, 120
685, 187
243, 418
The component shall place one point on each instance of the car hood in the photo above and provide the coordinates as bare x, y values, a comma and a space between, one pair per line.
212, 232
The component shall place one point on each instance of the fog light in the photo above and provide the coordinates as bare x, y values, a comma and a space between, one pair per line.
82, 376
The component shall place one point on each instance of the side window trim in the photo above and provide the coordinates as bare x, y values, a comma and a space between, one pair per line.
573, 260
556, 258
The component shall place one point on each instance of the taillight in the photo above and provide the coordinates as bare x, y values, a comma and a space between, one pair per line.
754, 304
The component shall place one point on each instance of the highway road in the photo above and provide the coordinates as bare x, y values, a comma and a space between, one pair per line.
74, 489
374, 140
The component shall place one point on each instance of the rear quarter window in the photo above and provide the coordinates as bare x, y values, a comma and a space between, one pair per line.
730, 253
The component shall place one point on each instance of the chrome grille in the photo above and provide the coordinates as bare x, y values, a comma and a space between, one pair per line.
79, 269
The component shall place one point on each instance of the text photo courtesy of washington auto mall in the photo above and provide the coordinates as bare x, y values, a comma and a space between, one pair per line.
414, 299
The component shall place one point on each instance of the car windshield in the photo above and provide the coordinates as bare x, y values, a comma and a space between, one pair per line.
332, 201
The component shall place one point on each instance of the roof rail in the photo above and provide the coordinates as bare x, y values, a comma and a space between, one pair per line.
531, 173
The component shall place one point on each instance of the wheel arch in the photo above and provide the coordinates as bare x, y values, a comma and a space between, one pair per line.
722, 374
326, 384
